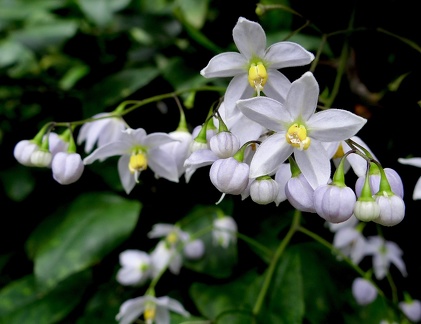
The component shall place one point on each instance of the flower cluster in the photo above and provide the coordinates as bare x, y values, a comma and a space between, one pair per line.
267, 139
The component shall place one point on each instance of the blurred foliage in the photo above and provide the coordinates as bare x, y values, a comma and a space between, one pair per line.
65, 60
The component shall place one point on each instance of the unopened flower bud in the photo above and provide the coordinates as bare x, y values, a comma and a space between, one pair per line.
363, 291
333, 203
229, 175
224, 144
264, 191
392, 209
67, 167
366, 210
194, 249
300, 193
41, 158
23, 151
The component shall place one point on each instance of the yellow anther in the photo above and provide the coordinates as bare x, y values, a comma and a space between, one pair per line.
172, 238
297, 137
138, 163
339, 152
150, 312
257, 76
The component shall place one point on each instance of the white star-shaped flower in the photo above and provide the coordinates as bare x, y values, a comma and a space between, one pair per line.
298, 129
255, 67
138, 152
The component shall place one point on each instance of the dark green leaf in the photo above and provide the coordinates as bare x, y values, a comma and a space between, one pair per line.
94, 225
23, 301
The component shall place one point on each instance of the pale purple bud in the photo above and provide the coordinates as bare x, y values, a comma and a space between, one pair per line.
334, 204
229, 175
67, 167
363, 291
366, 210
23, 151
392, 176
56, 144
264, 191
412, 309
194, 249
300, 193
392, 209
224, 144
224, 232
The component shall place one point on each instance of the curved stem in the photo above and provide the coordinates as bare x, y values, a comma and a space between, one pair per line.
281, 248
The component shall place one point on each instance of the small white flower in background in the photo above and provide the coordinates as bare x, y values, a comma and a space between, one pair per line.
416, 161
298, 129
154, 310
255, 67
363, 291
349, 240
67, 167
224, 231
135, 267
411, 308
138, 151
384, 253
104, 130
166, 252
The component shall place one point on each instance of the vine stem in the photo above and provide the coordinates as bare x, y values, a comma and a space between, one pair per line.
278, 253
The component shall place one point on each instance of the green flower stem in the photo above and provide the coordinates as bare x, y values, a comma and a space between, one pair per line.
134, 104
278, 253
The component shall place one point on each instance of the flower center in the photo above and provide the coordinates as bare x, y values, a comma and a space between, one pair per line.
172, 238
297, 137
257, 76
150, 311
138, 163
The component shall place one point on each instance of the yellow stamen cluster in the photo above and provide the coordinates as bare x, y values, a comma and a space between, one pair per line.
257, 76
138, 163
172, 238
150, 312
297, 137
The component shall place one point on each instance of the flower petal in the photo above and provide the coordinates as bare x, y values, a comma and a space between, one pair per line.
277, 85
162, 164
126, 177
416, 161
265, 111
238, 88
334, 125
417, 190
314, 163
250, 38
302, 97
156, 139
270, 155
227, 64
108, 150
287, 54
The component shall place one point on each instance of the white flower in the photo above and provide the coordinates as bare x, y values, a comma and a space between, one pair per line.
67, 167
155, 310
135, 267
179, 149
255, 67
363, 291
104, 130
299, 130
384, 253
138, 152
416, 161
224, 231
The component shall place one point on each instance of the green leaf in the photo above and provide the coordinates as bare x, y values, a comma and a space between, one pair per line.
23, 301
285, 298
194, 11
217, 261
39, 37
18, 182
94, 224
229, 303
